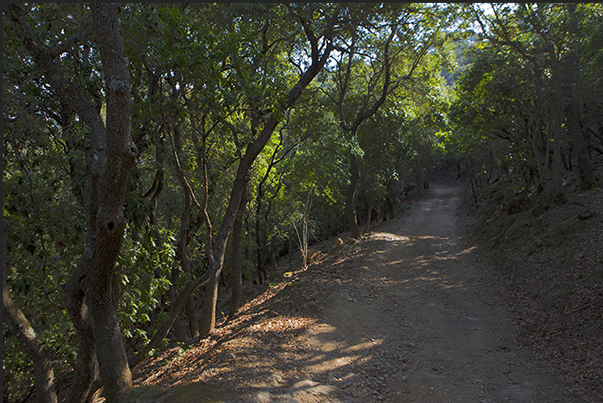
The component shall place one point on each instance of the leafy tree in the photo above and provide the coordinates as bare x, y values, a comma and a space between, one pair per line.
375, 61
319, 52
542, 38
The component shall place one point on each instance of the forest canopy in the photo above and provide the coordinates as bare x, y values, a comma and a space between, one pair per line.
156, 155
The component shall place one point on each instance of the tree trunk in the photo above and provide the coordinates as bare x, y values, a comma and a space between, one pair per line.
185, 234
555, 188
420, 177
19, 325
242, 178
236, 261
388, 199
259, 231
154, 193
351, 194
535, 138
369, 215
290, 251
471, 182
193, 323
120, 157
302, 238
579, 140
179, 329
210, 300
68, 94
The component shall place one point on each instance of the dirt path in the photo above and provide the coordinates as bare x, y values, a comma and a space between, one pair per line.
408, 319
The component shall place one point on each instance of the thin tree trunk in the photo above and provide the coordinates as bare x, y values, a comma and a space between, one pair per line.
471, 180
18, 324
369, 215
302, 238
351, 194
556, 191
535, 136
236, 262
579, 140
154, 193
186, 228
260, 230
179, 329
420, 177
388, 199
290, 251
587, 177
193, 323
555, 188
86, 369
260, 250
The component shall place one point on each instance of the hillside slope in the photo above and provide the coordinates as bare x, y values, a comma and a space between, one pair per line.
548, 267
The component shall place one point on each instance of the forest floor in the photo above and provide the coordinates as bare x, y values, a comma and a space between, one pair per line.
408, 313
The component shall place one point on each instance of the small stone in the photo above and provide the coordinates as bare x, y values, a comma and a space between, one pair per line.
275, 379
263, 397
305, 383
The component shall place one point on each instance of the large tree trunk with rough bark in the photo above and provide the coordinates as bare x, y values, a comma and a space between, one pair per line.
110, 155
98, 262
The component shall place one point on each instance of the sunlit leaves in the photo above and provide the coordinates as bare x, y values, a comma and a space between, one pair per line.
144, 272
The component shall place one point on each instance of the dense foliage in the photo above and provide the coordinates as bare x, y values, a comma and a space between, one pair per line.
336, 111
527, 108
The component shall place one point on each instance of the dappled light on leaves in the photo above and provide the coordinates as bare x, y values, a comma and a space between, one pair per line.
212, 181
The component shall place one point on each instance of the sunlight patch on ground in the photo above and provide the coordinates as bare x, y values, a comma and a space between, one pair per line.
365, 346
279, 324
441, 239
387, 236
421, 278
321, 362
467, 251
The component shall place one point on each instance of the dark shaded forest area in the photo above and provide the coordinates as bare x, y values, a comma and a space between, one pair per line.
160, 157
